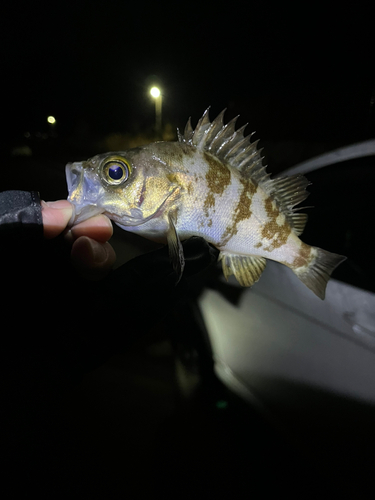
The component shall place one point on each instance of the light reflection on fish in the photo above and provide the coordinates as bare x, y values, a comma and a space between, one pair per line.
211, 183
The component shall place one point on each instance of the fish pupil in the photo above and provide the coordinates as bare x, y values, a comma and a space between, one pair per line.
116, 172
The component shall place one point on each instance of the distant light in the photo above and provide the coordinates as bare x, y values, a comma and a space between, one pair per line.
51, 120
155, 92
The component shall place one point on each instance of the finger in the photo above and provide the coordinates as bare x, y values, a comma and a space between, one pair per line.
98, 228
56, 215
92, 258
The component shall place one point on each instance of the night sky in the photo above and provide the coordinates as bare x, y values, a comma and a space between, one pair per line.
297, 74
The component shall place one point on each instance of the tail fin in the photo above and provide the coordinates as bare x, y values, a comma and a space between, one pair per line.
316, 275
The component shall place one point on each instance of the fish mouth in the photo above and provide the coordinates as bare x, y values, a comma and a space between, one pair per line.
81, 189
74, 174
86, 212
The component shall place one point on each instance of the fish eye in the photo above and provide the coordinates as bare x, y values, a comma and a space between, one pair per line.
116, 170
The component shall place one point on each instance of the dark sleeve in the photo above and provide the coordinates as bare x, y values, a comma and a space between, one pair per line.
20, 214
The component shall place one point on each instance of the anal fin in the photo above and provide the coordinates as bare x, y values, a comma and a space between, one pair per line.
176, 251
246, 269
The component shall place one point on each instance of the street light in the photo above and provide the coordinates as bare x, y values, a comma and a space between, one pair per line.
51, 125
156, 94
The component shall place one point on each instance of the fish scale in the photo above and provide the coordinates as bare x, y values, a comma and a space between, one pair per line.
211, 183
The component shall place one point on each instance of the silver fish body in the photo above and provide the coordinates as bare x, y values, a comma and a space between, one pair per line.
211, 183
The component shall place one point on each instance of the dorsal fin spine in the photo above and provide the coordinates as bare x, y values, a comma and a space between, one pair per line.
235, 149
232, 144
189, 132
251, 149
203, 125
223, 136
248, 158
214, 129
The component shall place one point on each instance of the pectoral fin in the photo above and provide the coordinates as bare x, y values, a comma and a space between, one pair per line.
246, 269
176, 252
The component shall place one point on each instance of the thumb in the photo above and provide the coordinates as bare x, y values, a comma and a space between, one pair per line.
56, 215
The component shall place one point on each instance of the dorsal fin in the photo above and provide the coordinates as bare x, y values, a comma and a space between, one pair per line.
223, 141
233, 147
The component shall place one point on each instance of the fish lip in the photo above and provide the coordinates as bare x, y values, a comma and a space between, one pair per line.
68, 176
71, 176
71, 220
85, 213
82, 208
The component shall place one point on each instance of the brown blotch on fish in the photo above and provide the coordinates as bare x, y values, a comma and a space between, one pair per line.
242, 210
208, 203
303, 258
271, 208
271, 230
217, 176
277, 235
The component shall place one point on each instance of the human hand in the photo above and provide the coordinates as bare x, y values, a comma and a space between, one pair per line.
91, 253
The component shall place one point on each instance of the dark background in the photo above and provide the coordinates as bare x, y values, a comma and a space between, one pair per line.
302, 77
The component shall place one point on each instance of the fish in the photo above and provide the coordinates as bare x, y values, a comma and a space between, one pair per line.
210, 183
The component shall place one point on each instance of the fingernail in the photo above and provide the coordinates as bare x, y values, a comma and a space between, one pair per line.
89, 251
57, 204
92, 259
98, 252
64, 205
